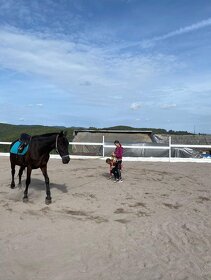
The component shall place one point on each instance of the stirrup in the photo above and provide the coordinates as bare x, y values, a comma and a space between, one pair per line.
20, 149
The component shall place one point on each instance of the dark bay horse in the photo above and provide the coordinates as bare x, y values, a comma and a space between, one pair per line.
37, 156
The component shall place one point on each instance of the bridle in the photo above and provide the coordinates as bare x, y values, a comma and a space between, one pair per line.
57, 150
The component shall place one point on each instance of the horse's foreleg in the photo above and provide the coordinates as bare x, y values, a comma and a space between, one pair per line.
20, 174
28, 181
48, 192
12, 185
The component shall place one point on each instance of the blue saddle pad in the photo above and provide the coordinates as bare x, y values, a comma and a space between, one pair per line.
14, 149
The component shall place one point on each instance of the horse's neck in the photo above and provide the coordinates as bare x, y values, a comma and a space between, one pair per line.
51, 141
47, 144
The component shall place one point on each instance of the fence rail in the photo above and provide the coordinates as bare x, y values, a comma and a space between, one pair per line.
169, 148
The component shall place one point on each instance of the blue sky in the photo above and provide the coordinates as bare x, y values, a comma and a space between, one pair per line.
106, 62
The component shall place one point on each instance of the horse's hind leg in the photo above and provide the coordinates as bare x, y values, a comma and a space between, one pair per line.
28, 181
48, 192
20, 173
12, 185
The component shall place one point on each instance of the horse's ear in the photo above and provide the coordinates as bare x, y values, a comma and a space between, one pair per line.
63, 133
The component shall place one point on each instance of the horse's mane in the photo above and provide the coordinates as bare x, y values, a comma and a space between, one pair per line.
46, 134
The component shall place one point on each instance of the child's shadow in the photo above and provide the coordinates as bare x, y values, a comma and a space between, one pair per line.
106, 175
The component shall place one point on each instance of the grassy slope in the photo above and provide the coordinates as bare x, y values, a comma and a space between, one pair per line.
10, 132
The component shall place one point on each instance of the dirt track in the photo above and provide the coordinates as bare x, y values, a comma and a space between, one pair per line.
154, 225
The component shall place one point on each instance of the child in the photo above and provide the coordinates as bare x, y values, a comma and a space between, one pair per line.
118, 153
112, 167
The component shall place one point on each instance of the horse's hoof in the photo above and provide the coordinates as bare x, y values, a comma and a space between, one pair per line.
48, 201
12, 186
25, 199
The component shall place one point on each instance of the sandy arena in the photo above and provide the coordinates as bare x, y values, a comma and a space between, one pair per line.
154, 225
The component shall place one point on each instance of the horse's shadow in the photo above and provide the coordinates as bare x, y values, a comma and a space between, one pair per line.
39, 185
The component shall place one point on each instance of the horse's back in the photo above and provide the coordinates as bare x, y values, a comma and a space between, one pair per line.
37, 154
15, 158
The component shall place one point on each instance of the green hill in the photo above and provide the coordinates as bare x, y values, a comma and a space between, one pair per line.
154, 130
9, 132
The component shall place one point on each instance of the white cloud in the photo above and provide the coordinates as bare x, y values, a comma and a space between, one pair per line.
35, 105
190, 28
85, 83
186, 29
135, 106
91, 75
83, 70
117, 97
168, 106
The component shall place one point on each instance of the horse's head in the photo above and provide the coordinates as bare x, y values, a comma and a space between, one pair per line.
62, 147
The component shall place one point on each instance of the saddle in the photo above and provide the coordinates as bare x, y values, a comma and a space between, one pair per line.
24, 140
20, 147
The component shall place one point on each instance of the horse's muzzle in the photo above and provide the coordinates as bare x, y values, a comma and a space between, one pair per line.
65, 159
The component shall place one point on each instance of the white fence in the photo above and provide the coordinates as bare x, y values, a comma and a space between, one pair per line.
163, 159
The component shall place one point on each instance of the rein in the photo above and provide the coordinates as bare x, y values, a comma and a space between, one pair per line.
57, 144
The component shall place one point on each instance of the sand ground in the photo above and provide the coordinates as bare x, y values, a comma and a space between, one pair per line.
154, 225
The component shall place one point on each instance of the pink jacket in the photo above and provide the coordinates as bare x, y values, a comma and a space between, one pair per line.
119, 152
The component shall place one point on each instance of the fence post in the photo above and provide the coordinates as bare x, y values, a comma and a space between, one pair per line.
103, 146
169, 148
